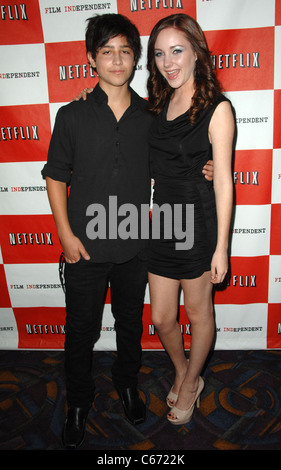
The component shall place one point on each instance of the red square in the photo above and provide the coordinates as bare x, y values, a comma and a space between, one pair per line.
243, 58
275, 230
40, 327
145, 14
5, 301
68, 70
29, 239
277, 12
20, 22
277, 113
252, 176
248, 281
25, 133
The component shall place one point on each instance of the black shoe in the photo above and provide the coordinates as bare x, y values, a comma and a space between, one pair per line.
133, 405
74, 427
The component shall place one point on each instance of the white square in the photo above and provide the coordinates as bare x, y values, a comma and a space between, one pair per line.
276, 177
8, 329
235, 14
254, 118
54, 107
34, 285
24, 75
139, 81
23, 189
274, 290
251, 231
241, 327
66, 21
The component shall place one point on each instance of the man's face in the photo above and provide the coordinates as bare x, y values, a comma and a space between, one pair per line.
114, 62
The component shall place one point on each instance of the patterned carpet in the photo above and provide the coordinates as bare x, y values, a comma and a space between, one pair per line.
240, 407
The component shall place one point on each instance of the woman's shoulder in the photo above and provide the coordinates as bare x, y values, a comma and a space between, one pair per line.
220, 98
208, 112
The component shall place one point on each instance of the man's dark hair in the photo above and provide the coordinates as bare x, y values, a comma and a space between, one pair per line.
102, 28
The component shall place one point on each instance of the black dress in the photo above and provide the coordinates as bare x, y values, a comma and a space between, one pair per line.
179, 151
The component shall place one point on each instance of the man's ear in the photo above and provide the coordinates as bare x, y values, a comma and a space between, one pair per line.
91, 60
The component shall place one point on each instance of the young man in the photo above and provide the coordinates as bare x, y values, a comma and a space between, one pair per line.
99, 148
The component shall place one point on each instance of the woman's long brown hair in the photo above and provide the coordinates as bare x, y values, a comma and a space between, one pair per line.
207, 85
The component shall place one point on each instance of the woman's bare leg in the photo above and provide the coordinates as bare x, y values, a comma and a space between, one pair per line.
199, 308
164, 310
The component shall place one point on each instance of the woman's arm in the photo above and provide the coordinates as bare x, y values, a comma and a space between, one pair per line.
72, 247
221, 133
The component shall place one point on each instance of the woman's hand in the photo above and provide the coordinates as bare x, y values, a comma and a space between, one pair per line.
219, 266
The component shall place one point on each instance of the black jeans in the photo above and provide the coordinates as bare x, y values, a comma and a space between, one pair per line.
86, 286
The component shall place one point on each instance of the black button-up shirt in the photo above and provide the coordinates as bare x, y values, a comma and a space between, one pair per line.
104, 162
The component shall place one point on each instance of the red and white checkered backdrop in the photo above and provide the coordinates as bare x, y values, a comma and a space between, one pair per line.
43, 65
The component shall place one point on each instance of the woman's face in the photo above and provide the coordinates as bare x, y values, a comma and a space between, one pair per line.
174, 57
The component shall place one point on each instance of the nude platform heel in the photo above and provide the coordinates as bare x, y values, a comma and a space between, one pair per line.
184, 416
172, 396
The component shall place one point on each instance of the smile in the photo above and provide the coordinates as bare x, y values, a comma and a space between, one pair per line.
173, 74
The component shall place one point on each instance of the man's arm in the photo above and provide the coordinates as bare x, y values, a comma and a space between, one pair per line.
72, 247
83, 94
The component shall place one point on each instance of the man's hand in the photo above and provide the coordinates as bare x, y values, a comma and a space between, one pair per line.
73, 249
208, 170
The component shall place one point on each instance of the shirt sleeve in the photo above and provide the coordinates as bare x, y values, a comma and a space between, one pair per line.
61, 149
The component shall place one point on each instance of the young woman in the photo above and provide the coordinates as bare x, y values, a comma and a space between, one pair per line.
194, 122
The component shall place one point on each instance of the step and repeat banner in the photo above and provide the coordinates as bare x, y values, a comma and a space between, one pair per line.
43, 65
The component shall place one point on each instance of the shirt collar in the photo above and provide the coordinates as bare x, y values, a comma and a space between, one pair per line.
101, 97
